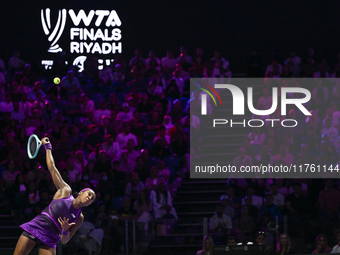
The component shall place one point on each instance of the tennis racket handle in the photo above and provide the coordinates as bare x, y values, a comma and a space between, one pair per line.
48, 146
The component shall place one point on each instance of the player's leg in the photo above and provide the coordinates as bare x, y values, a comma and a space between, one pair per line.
24, 245
45, 250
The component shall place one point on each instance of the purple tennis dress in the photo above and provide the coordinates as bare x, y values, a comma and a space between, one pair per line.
46, 227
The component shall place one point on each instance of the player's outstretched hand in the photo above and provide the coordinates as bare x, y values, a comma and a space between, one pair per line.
64, 223
45, 140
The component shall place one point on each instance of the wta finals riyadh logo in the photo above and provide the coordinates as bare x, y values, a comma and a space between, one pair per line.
96, 32
53, 36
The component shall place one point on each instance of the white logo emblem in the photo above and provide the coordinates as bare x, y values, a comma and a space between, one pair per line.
53, 36
73, 215
79, 62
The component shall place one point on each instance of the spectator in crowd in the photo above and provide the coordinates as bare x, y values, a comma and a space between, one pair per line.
208, 246
37, 121
12, 128
296, 203
269, 206
263, 222
92, 139
106, 129
7, 106
23, 87
17, 155
32, 95
231, 240
2, 93
93, 157
15, 63
322, 245
132, 154
169, 127
134, 184
102, 164
162, 203
2, 78
228, 210
141, 169
284, 245
57, 120
72, 108
245, 225
136, 58
253, 210
87, 104
271, 68
127, 213
111, 148
234, 201
336, 248
57, 93
177, 112
118, 75
281, 187
113, 239
220, 63
260, 239
143, 208
304, 187
153, 63
155, 121
65, 142
256, 200
73, 173
284, 156
242, 159
125, 115
163, 172
220, 224
305, 157
126, 165
165, 139
32, 194
71, 83
17, 113
101, 112
184, 55
328, 129
9, 174
278, 198
266, 100
105, 184
329, 201
80, 162
153, 182
122, 138
144, 106
17, 196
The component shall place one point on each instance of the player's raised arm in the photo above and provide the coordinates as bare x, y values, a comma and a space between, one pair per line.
64, 189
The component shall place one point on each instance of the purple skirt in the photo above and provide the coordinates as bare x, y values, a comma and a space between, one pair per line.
43, 228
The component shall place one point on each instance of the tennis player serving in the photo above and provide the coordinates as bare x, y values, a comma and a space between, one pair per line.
60, 220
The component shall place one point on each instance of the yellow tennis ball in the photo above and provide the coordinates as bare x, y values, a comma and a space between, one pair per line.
56, 80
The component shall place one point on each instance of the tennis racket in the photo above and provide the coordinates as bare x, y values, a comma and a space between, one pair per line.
33, 146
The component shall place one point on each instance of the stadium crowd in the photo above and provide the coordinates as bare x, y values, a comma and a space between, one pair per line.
124, 131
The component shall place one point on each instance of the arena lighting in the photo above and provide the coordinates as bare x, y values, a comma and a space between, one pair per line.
86, 35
